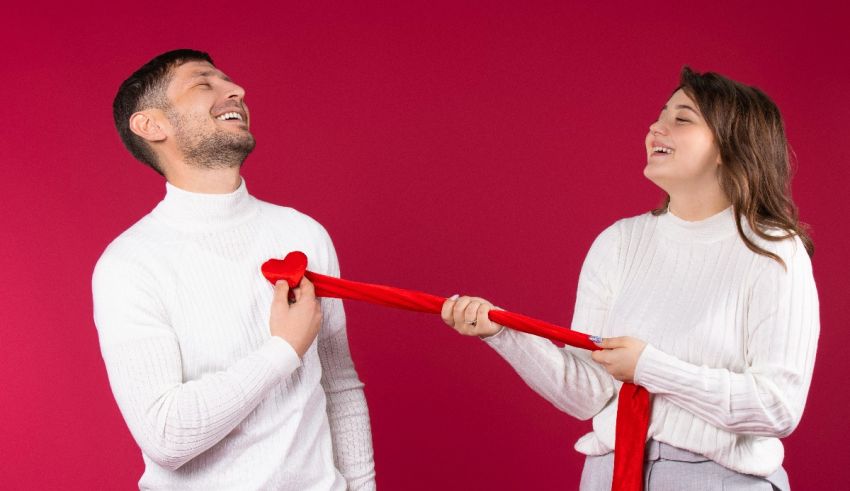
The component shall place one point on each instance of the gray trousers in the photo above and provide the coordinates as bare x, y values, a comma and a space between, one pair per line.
668, 468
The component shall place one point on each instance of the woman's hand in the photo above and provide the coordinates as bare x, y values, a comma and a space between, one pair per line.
468, 315
620, 356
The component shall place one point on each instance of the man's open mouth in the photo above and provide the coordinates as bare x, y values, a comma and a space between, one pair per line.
230, 117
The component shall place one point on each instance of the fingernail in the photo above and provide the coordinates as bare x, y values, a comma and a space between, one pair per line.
454, 297
595, 339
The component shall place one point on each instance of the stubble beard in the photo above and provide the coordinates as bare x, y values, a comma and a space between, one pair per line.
219, 149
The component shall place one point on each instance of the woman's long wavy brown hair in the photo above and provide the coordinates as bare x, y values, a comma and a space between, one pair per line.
755, 171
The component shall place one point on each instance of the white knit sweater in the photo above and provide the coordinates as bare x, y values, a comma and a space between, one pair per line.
213, 400
731, 338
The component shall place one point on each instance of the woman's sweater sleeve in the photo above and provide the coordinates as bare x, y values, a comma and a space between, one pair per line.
172, 421
766, 397
567, 377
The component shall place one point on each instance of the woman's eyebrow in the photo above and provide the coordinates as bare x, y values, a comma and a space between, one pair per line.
682, 106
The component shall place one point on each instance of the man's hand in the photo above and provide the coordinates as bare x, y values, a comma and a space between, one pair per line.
297, 323
620, 356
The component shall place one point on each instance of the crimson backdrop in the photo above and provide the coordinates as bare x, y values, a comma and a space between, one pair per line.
447, 147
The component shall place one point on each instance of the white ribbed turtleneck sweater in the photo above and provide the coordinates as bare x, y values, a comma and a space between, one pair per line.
731, 338
213, 400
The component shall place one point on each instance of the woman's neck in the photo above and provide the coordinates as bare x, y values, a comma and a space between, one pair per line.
694, 207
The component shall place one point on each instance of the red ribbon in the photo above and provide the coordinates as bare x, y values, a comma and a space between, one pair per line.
633, 405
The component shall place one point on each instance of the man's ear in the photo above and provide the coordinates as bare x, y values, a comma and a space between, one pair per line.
145, 124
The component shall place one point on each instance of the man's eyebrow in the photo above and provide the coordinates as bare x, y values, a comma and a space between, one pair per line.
210, 73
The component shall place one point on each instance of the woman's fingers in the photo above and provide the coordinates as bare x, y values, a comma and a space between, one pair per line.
620, 356
468, 315
457, 311
448, 308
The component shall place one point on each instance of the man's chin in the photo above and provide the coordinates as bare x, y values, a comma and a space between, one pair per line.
244, 149
248, 144
243, 138
243, 143
225, 154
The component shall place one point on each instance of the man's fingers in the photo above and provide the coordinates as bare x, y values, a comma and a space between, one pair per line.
281, 293
307, 288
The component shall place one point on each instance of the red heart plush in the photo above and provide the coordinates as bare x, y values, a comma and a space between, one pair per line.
291, 268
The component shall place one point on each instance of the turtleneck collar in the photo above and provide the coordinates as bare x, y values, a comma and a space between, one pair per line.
714, 228
205, 212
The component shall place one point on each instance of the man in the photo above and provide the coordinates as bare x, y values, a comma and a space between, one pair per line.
224, 381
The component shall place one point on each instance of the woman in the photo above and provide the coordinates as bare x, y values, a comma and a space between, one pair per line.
708, 302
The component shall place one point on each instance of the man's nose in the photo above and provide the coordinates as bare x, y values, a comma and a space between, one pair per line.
235, 91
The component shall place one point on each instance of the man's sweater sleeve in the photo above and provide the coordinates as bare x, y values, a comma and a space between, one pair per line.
348, 413
766, 397
567, 377
171, 420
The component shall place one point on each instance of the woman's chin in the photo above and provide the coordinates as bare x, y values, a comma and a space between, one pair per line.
655, 174
651, 171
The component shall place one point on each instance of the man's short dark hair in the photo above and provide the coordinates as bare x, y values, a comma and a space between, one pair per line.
145, 89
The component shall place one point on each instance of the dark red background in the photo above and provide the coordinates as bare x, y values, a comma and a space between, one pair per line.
447, 147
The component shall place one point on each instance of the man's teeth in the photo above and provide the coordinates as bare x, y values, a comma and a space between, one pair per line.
228, 116
662, 150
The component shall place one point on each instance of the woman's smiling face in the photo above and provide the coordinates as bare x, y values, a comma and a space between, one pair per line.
681, 152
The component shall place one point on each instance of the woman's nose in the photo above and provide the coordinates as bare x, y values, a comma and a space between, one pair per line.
658, 127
